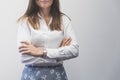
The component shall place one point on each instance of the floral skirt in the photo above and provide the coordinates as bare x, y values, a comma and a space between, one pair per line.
44, 73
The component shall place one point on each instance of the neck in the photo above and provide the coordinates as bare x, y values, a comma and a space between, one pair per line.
45, 13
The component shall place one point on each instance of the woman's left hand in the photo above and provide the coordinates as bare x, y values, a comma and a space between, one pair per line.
28, 48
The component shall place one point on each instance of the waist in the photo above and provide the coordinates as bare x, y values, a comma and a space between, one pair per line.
48, 66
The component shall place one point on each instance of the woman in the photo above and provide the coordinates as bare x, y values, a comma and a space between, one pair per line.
45, 40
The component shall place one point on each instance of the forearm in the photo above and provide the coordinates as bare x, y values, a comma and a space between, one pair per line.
63, 53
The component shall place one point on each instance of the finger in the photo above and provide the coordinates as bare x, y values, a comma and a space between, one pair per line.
25, 42
66, 44
25, 52
23, 46
69, 44
63, 42
23, 49
66, 41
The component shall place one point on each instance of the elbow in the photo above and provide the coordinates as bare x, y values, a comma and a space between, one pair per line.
26, 59
75, 51
76, 54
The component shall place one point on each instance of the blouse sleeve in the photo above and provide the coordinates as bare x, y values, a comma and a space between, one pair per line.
66, 52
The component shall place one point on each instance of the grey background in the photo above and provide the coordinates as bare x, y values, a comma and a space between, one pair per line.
97, 27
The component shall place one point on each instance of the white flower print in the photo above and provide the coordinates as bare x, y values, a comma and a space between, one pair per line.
25, 76
31, 78
58, 76
63, 73
44, 77
38, 72
52, 71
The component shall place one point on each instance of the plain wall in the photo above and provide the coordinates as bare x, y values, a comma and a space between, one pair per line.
97, 27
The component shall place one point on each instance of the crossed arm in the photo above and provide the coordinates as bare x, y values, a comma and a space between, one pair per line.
28, 48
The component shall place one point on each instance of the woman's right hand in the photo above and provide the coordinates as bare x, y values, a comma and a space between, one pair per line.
65, 42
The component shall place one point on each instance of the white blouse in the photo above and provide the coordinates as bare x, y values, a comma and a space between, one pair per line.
48, 39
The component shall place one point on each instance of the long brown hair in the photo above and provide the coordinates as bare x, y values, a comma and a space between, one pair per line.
33, 19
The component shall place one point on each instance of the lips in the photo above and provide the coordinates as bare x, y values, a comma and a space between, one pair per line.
44, 1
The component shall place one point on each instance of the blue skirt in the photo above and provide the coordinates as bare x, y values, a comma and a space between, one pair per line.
44, 73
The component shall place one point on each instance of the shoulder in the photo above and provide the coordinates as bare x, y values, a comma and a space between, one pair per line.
65, 21
22, 24
65, 18
22, 21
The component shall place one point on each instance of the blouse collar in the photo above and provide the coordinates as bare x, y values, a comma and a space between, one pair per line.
43, 18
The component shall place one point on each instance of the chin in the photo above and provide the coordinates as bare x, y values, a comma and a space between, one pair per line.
45, 6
